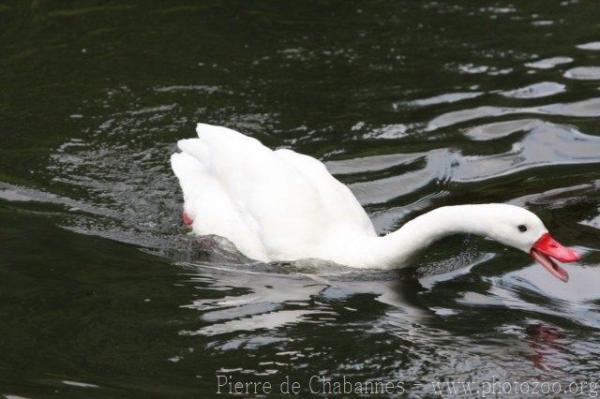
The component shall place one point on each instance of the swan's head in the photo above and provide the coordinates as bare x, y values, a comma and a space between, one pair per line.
519, 228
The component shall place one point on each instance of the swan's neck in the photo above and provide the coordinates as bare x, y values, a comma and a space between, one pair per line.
396, 248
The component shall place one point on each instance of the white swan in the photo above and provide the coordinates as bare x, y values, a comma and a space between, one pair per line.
282, 206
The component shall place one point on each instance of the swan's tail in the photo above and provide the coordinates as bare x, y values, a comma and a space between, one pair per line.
207, 206
196, 149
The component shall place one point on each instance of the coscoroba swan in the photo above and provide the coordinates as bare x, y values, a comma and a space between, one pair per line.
281, 206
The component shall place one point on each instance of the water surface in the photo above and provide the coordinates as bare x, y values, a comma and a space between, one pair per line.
414, 105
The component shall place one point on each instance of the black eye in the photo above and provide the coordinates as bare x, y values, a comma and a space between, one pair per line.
522, 228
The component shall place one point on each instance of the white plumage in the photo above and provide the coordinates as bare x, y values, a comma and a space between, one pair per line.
273, 205
283, 206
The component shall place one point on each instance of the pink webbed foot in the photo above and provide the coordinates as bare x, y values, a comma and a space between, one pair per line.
187, 220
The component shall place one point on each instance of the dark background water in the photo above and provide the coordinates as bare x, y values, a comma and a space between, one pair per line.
414, 104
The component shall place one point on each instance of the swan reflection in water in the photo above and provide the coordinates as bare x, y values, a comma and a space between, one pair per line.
259, 302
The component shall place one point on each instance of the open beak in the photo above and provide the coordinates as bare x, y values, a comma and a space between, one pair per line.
547, 248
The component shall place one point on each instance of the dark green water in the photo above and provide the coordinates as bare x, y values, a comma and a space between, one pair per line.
414, 104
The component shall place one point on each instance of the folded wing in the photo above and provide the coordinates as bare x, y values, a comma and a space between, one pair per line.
272, 205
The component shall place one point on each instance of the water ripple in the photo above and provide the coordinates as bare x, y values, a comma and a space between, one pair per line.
549, 63
585, 108
536, 90
583, 73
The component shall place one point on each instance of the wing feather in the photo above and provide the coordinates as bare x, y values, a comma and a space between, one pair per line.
284, 200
